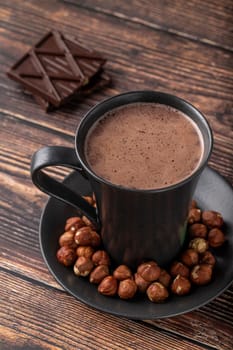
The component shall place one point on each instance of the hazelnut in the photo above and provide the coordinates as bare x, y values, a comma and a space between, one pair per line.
101, 257
83, 236
74, 223
212, 218
67, 238
96, 240
89, 199
66, 255
178, 268
86, 236
108, 286
193, 204
181, 285
198, 230
150, 271
88, 222
94, 200
127, 289
122, 272
164, 278
99, 273
201, 274
189, 257
86, 251
207, 258
157, 292
83, 266
216, 237
200, 245
194, 215
141, 283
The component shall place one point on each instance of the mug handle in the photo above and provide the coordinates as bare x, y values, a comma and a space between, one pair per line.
63, 156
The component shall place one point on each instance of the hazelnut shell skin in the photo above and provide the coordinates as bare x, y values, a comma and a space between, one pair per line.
86, 236
181, 285
216, 238
67, 238
66, 256
122, 272
157, 292
96, 240
89, 199
201, 274
198, 230
88, 222
127, 289
141, 283
108, 286
86, 251
74, 223
83, 236
207, 258
101, 257
178, 268
164, 278
212, 218
150, 271
193, 204
83, 266
98, 274
194, 215
189, 257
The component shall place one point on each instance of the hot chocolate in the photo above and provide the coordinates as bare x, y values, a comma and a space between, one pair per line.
144, 146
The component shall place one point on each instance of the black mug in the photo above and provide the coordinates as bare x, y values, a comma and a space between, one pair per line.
135, 225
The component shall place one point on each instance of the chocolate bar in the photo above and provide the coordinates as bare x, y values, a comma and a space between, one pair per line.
56, 68
99, 81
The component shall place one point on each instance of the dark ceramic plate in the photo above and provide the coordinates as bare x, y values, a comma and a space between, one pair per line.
213, 192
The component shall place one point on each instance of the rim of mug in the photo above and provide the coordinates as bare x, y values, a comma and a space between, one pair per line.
108, 100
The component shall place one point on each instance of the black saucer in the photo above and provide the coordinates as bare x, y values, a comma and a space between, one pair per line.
213, 193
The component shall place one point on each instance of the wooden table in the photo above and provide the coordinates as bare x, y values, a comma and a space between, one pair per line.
181, 47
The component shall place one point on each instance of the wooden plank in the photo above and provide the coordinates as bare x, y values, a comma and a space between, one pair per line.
209, 22
21, 202
50, 319
217, 330
20, 221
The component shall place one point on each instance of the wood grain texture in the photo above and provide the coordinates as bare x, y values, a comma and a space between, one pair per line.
144, 51
57, 316
210, 22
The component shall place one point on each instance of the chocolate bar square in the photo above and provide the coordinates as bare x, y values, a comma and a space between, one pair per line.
56, 68
97, 82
